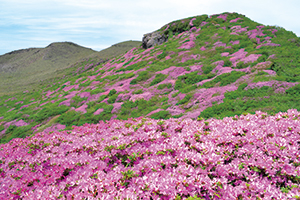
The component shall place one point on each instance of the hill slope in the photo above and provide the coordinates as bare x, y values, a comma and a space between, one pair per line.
22, 68
203, 66
28, 68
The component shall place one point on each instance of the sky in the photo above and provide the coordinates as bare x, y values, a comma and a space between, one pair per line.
98, 24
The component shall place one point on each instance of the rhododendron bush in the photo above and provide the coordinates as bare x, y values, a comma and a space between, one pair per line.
242, 157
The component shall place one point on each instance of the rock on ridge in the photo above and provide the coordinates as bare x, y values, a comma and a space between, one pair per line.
152, 39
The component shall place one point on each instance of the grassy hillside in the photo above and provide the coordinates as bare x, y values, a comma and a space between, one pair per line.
24, 68
27, 69
115, 50
217, 66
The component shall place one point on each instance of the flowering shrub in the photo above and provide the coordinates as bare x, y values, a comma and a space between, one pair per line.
241, 157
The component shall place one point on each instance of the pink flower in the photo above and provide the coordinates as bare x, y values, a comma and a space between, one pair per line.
117, 106
202, 48
82, 108
98, 111
225, 54
191, 22
84, 94
223, 16
234, 20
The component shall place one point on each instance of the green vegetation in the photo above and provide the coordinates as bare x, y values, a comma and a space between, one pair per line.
141, 107
139, 91
163, 55
143, 76
166, 85
224, 79
186, 83
185, 99
158, 78
161, 115
49, 111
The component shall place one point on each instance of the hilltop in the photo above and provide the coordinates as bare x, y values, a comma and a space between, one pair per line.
198, 67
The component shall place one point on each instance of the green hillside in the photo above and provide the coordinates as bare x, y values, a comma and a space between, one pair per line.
201, 67
29, 68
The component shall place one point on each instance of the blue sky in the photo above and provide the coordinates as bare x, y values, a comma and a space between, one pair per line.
98, 24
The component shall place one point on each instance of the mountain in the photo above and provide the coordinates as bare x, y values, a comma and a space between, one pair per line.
199, 67
29, 68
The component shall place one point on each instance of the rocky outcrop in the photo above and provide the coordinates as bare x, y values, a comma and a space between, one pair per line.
152, 39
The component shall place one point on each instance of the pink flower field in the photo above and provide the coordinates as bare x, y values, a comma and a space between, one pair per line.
241, 157
204, 108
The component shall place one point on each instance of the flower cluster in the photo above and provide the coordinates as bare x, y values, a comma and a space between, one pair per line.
247, 156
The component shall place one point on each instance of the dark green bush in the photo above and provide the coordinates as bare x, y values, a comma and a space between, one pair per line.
262, 58
179, 84
294, 90
97, 91
101, 98
227, 62
199, 20
10, 129
241, 65
207, 68
161, 115
21, 132
126, 76
185, 99
188, 88
191, 78
76, 100
49, 111
112, 92
260, 73
158, 78
156, 68
135, 66
128, 62
246, 43
242, 86
166, 85
141, 107
111, 77
143, 76
140, 91
112, 98
15, 132
163, 55
1, 128
69, 118
87, 83
177, 116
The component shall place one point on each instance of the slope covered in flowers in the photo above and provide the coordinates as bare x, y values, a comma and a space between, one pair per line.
210, 66
242, 157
